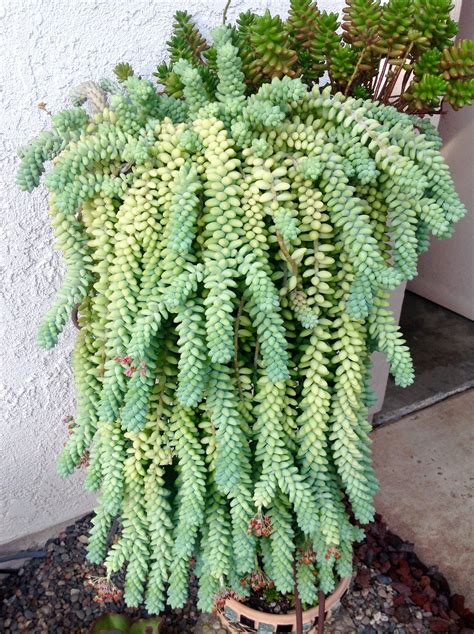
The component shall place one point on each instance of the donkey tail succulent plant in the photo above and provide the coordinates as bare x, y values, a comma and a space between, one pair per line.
232, 257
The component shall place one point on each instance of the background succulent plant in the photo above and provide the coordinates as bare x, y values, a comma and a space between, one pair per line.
376, 51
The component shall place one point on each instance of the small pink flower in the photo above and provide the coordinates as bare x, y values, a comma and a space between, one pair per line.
69, 422
129, 371
105, 589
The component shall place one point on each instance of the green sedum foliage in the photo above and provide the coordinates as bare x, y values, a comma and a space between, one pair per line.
232, 258
123, 71
399, 52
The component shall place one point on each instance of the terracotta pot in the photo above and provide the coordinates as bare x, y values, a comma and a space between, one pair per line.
231, 616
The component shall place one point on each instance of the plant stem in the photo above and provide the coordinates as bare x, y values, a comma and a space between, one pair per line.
236, 347
255, 364
224, 13
393, 82
388, 79
380, 77
423, 113
356, 69
405, 81
292, 263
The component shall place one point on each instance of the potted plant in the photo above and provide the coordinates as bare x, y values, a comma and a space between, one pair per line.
231, 244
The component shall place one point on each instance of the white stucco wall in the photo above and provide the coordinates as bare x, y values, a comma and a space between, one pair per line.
49, 46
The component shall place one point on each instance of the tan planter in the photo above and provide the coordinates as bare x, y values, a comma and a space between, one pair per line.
233, 612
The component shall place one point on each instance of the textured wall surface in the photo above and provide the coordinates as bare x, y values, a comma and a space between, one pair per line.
49, 46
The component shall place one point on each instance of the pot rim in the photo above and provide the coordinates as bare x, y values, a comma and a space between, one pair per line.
289, 618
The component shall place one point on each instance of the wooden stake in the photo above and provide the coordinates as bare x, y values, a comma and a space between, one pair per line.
322, 612
298, 606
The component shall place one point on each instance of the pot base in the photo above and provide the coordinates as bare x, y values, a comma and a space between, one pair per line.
263, 622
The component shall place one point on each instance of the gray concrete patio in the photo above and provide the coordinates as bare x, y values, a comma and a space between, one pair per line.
442, 346
425, 465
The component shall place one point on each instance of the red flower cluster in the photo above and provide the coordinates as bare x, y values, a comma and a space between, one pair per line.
105, 589
220, 599
307, 555
261, 525
257, 580
130, 369
69, 422
84, 461
332, 551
